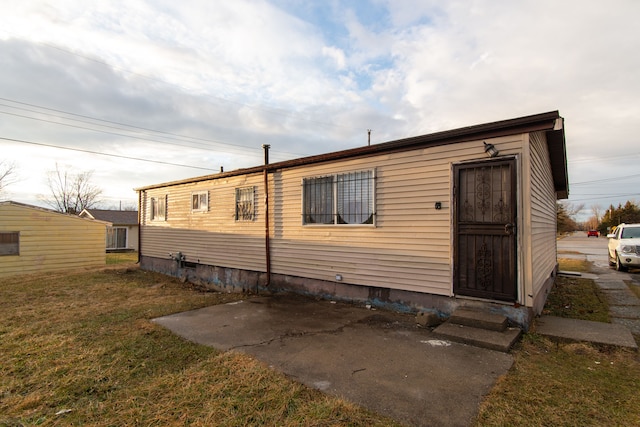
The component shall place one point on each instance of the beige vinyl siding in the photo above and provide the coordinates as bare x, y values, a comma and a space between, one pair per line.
212, 237
408, 248
50, 241
543, 213
204, 247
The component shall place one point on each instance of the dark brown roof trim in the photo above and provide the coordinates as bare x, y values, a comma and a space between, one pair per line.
533, 123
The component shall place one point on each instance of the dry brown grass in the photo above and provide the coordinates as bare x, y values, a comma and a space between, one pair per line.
553, 384
559, 384
80, 349
570, 264
122, 258
577, 298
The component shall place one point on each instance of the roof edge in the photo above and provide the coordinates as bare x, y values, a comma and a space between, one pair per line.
536, 122
47, 210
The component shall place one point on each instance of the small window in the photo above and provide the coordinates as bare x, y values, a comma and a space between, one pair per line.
116, 237
318, 200
159, 208
200, 201
9, 243
346, 198
245, 206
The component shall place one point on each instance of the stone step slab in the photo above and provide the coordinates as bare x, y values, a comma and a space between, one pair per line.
479, 319
483, 338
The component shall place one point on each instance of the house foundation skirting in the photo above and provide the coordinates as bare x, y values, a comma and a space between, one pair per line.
224, 279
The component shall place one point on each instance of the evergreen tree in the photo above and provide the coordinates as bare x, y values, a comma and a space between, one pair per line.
628, 214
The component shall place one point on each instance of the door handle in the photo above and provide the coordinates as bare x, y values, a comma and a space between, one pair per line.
508, 229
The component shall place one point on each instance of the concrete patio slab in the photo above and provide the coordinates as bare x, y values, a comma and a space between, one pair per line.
379, 360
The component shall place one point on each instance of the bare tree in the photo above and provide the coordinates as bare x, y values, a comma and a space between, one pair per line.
70, 192
592, 223
7, 175
565, 215
596, 209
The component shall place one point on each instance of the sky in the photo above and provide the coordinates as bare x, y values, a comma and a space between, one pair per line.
141, 92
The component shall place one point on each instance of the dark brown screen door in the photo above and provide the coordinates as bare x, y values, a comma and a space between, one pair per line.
485, 231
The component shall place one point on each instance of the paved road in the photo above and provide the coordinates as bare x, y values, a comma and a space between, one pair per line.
578, 245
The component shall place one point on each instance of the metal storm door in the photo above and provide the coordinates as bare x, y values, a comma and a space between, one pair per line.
485, 230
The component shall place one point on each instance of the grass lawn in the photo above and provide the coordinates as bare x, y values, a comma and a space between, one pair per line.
80, 349
567, 384
122, 258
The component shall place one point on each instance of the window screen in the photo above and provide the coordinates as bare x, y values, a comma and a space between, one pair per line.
346, 198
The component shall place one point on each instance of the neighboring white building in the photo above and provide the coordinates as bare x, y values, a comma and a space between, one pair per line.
122, 235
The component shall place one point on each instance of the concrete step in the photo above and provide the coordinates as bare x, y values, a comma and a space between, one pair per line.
484, 338
479, 319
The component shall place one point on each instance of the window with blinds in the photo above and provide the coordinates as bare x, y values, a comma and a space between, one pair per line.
245, 206
200, 201
159, 208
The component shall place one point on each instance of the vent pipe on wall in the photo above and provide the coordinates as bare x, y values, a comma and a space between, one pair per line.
266, 147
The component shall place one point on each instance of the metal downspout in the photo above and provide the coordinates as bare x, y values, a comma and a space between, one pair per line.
266, 147
140, 195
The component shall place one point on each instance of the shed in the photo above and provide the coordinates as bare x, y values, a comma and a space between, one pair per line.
122, 233
460, 218
38, 240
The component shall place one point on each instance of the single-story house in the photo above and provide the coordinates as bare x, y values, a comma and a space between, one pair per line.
465, 217
38, 240
122, 234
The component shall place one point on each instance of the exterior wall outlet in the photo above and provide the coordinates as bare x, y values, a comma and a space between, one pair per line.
338, 277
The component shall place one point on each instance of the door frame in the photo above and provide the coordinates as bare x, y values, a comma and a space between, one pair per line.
519, 220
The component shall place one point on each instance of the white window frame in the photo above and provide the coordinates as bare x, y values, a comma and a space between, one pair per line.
244, 215
200, 201
114, 231
158, 208
336, 206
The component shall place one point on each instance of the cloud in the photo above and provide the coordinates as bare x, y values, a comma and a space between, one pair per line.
337, 55
221, 78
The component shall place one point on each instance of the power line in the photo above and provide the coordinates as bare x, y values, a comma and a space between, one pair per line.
287, 113
237, 150
119, 124
112, 133
41, 144
614, 196
625, 156
605, 180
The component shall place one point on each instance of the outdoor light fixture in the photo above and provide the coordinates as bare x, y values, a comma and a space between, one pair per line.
490, 149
